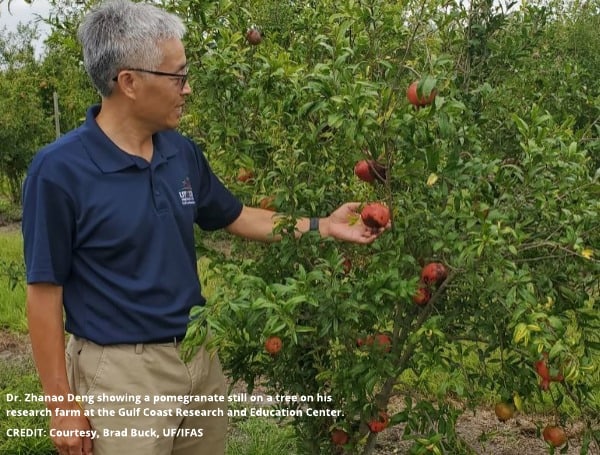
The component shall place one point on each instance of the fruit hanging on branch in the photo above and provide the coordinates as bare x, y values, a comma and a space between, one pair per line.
380, 423
380, 341
370, 171
424, 99
339, 437
542, 369
422, 296
434, 273
254, 36
273, 345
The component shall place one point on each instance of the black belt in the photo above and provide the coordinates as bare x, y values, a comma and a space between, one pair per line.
173, 339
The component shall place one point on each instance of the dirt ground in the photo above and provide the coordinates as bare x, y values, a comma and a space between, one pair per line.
9, 226
480, 429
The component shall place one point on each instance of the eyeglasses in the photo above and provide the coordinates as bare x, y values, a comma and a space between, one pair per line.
182, 77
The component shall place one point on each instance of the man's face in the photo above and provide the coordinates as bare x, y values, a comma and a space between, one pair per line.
161, 97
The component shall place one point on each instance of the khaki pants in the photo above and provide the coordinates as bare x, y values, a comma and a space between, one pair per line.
119, 384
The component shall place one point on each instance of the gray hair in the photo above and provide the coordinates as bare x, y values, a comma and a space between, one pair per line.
121, 34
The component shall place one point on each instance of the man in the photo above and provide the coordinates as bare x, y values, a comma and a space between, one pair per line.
108, 215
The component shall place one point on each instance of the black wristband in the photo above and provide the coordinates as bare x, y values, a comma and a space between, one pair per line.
313, 224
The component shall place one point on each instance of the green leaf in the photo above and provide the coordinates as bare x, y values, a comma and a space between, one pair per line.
426, 86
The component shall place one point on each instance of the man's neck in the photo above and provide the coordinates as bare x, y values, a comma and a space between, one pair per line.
125, 130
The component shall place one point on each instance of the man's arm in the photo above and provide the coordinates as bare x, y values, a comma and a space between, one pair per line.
46, 330
343, 224
47, 333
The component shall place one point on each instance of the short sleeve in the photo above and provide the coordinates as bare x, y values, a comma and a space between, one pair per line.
48, 229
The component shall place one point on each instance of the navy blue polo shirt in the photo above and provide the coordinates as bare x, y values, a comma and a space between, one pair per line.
117, 232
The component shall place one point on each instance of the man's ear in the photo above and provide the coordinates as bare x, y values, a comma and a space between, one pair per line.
127, 83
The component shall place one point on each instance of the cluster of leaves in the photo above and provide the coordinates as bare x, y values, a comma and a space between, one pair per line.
13, 272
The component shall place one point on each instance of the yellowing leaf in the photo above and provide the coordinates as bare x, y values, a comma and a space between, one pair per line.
353, 219
587, 253
521, 333
432, 179
518, 401
534, 328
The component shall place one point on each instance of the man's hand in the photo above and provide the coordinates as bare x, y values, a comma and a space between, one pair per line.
73, 444
345, 224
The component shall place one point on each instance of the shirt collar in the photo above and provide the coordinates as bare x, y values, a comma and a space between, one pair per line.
105, 153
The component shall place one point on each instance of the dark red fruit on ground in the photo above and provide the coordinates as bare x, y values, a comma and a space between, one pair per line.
555, 436
504, 411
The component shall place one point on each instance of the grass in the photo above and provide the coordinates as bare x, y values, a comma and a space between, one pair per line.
260, 437
9, 212
12, 282
18, 379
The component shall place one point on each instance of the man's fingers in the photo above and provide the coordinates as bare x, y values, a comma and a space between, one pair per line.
353, 206
87, 446
69, 446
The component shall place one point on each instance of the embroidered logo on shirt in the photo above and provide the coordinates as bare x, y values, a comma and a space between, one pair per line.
186, 194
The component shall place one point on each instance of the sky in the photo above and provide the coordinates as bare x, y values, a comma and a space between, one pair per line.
22, 12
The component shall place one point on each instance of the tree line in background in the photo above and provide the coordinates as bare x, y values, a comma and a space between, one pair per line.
28, 84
